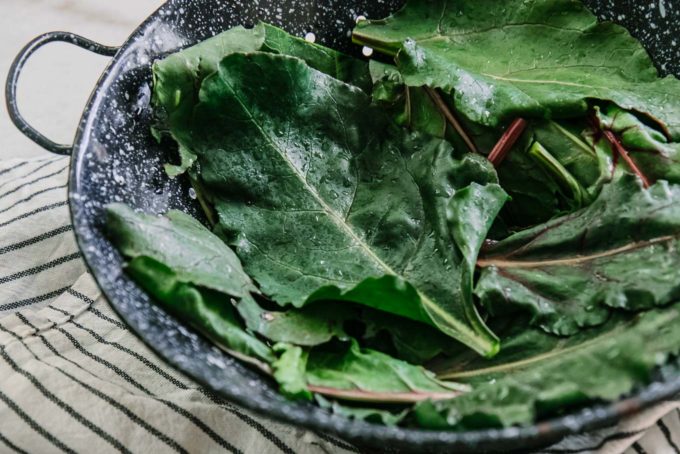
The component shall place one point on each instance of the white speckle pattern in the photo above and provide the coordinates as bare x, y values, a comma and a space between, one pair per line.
654, 22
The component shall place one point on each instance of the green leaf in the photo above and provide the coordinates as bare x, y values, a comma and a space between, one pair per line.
198, 259
403, 338
552, 170
386, 417
178, 77
567, 144
534, 194
656, 157
411, 107
323, 199
414, 108
538, 375
620, 252
208, 311
569, 186
348, 69
509, 58
181, 243
348, 372
313, 325
289, 371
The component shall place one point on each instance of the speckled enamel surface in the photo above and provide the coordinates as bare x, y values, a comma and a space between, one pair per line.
116, 159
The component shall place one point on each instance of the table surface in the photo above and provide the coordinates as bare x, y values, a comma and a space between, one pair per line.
58, 80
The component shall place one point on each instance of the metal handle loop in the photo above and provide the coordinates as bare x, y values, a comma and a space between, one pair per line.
13, 79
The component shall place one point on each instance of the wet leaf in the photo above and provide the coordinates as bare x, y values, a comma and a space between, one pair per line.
653, 153
620, 252
510, 58
175, 255
538, 375
348, 372
178, 77
324, 200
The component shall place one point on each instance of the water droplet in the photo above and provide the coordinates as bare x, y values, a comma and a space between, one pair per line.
367, 51
192, 193
310, 37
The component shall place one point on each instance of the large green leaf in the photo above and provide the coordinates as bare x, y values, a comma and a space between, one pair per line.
181, 243
206, 310
175, 255
324, 199
531, 58
620, 252
348, 372
537, 374
178, 77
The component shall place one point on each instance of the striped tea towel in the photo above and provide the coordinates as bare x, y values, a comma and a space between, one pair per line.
73, 378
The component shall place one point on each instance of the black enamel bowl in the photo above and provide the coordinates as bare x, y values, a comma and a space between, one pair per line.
114, 158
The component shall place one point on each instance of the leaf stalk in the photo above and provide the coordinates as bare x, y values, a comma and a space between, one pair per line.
507, 141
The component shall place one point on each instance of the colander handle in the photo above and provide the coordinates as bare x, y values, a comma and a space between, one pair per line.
13, 79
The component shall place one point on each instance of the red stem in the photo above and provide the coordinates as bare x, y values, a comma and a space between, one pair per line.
451, 118
614, 142
507, 140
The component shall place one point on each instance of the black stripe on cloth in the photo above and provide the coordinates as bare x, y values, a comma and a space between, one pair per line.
106, 318
121, 373
70, 316
11, 445
604, 441
216, 437
28, 183
116, 370
667, 433
37, 193
36, 211
215, 399
133, 417
51, 158
26, 321
136, 419
251, 422
201, 425
9, 169
266, 433
34, 425
40, 268
33, 300
134, 354
207, 430
36, 239
57, 401
337, 443
638, 448
28, 174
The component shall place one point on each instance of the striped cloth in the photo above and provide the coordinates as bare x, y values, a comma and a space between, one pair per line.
73, 378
